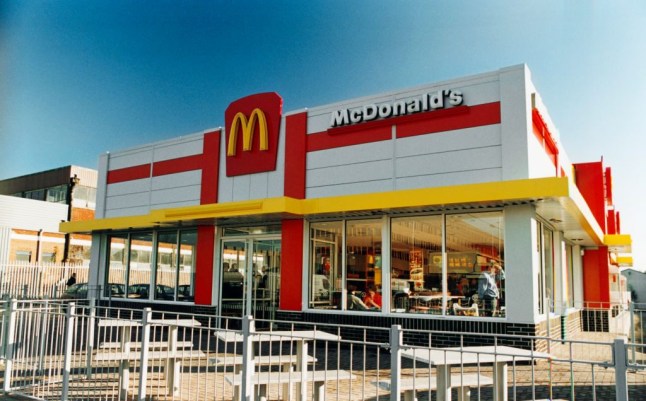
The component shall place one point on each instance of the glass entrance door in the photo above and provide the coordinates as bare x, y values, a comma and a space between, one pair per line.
250, 279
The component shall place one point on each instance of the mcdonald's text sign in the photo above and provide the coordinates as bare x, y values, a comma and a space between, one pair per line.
252, 129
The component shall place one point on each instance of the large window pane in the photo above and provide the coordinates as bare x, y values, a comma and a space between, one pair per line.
117, 273
167, 259
416, 264
363, 264
474, 243
187, 259
326, 272
139, 266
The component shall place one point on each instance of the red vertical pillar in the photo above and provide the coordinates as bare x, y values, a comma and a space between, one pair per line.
206, 234
291, 268
596, 279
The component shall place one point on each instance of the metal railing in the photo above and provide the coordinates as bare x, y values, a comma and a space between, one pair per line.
66, 351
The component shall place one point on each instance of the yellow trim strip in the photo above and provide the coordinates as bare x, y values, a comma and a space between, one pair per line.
451, 195
516, 190
625, 261
617, 240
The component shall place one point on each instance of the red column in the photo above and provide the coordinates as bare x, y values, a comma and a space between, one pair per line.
291, 265
204, 265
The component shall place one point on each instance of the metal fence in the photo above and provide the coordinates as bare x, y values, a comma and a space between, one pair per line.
65, 351
26, 280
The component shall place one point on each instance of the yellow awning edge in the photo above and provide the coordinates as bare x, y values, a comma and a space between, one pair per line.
619, 243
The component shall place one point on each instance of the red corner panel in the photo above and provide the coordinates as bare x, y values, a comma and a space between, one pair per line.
589, 180
291, 265
210, 167
204, 265
596, 282
295, 155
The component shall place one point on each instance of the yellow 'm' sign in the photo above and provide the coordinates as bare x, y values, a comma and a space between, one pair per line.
248, 128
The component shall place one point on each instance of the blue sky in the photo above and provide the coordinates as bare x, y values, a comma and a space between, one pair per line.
78, 78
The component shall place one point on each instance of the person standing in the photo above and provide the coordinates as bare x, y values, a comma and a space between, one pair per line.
72, 280
488, 290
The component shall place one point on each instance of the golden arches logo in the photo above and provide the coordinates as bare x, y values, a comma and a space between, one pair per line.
248, 127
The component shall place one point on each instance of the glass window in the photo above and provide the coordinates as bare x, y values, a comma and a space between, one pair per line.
38, 194
474, 264
167, 257
548, 267
163, 261
117, 261
363, 264
569, 257
23, 256
186, 276
57, 194
440, 264
416, 264
326, 270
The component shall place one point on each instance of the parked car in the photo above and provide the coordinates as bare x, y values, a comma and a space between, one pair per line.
80, 291
163, 292
184, 293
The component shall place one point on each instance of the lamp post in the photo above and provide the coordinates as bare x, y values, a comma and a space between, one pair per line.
74, 181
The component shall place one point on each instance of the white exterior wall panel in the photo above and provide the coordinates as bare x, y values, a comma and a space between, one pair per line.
130, 158
449, 162
448, 179
540, 164
128, 188
185, 146
440, 142
128, 205
521, 266
516, 122
349, 189
179, 180
176, 189
350, 170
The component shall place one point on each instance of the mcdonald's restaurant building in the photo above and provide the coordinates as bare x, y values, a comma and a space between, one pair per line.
383, 209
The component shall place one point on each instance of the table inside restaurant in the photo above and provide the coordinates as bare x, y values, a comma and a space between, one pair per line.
498, 356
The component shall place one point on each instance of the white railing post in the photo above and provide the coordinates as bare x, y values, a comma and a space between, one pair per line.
90, 338
70, 320
143, 362
248, 368
396, 343
43, 335
633, 340
620, 358
10, 344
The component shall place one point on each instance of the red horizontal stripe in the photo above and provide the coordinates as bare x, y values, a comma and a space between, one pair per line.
179, 165
160, 168
129, 173
449, 119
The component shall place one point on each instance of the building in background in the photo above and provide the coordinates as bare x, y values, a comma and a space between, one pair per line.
413, 194
636, 284
32, 207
